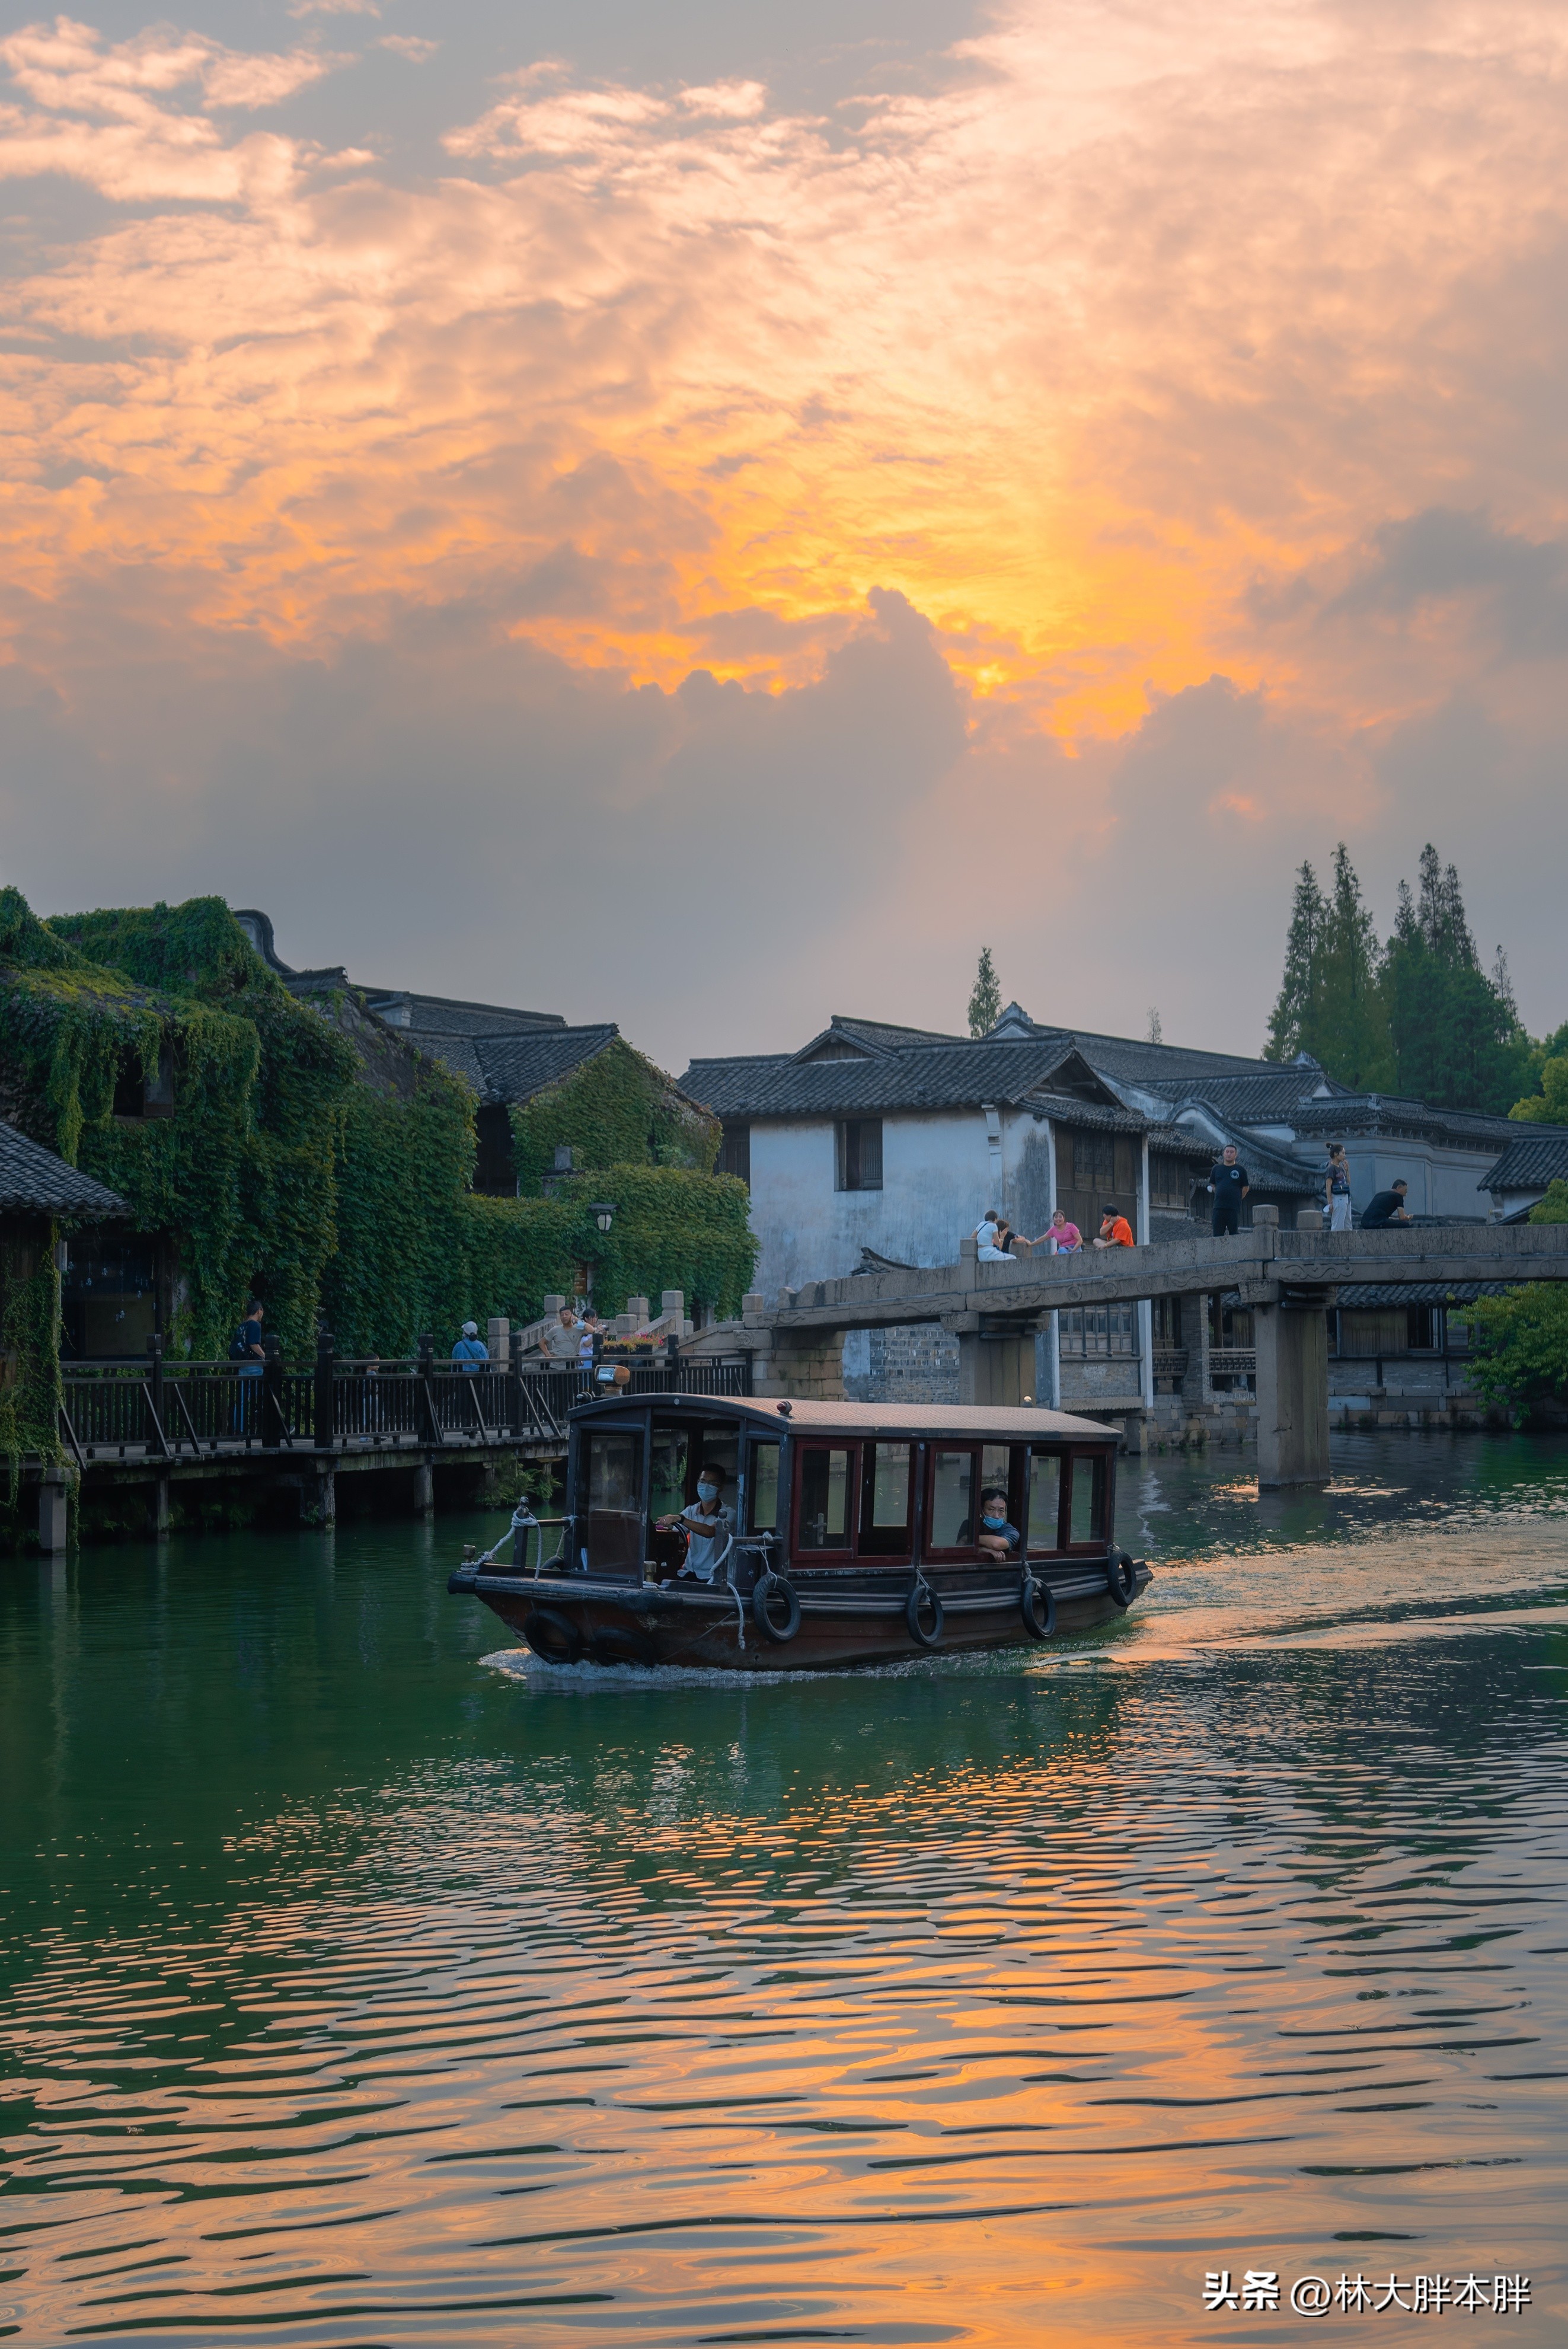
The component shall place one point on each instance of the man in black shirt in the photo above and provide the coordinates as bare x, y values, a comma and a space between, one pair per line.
1386, 1207
1229, 1182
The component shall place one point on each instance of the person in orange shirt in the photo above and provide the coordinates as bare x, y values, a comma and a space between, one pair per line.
1115, 1231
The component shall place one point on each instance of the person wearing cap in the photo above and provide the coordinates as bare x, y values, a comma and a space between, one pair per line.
470, 1349
1115, 1231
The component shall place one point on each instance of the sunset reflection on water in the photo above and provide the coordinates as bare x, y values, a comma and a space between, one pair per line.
363, 1991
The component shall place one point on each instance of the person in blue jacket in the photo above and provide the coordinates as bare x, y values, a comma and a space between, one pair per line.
470, 1349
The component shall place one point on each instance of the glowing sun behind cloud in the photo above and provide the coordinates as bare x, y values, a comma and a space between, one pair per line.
1060, 353
1113, 352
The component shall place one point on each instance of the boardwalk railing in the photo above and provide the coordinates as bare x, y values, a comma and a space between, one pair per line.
181, 1411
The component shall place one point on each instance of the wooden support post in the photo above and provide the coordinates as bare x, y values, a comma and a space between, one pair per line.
326, 1399
995, 1370
1293, 1394
272, 1396
424, 1490
52, 1494
517, 1392
430, 1423
161, 1509
326, 1498
155, 1382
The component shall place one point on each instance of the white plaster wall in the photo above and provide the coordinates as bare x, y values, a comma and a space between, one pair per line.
936, 1185
1442, 1180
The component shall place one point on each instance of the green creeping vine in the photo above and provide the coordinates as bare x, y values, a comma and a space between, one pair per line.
29, 1356
617, 1110
313, 1155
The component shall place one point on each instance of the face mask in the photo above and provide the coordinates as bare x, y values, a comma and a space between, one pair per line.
707, 1492
994, 1525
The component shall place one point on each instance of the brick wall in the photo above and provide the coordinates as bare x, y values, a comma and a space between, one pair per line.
917, 1363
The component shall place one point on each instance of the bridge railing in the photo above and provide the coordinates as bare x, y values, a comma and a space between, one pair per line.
172, 1410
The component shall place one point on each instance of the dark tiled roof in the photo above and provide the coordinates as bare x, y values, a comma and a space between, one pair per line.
936, 1076
1269, 1167
1168, 1065
454, 1052
1069, 1109
1181, 1141
882, 1036
515, 1068
1394, 1113
1365, 1293
448, 1015
1540, 1156
1272, 1098
34, 1181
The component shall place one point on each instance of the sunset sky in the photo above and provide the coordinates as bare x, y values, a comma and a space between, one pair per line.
704, 517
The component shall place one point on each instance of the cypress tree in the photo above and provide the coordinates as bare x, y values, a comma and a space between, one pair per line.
985, 999
1349, 1030
1295, 1013
1455, 1032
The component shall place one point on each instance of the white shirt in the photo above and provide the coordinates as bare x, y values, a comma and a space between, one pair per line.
709, 1537
985, 1235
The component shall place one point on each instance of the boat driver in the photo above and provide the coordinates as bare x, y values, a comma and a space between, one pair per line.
709, 1523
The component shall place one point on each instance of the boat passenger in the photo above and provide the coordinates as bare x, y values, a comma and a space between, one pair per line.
709, 1522
987, 1238
996, 1537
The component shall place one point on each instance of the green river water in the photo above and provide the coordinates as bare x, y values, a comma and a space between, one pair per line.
366, 1985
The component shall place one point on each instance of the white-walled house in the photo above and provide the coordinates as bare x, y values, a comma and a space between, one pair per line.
894, 1141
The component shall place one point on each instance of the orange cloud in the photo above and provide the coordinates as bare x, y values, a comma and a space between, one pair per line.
1141, 316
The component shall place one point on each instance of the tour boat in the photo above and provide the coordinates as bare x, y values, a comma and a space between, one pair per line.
857, 1537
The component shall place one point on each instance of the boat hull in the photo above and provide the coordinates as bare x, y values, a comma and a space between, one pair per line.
571, 1619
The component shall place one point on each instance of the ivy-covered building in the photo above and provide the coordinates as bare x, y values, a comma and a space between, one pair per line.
269, 1131
40, 1197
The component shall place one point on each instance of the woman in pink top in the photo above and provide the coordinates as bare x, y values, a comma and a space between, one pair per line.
1065, 1238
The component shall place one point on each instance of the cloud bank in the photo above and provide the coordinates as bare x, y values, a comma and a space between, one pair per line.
1037, 510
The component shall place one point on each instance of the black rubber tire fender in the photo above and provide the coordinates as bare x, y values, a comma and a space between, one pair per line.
555, 1638
1120, 1577
768, 1585
1037, 1625
917, 1630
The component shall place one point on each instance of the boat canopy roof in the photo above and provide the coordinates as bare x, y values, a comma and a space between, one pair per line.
980, 1422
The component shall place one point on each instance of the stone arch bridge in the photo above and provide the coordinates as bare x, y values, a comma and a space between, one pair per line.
1289, 1278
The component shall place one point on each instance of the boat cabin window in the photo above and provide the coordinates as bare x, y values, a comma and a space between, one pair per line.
1044, 1500
679, 1450
826, 1482
951, 1499
887, 1499
667, 1470
960, 1478
1089, 1482
610, 1532
762, 1509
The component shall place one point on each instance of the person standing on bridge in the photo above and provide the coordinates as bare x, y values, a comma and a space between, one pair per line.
1337, 1188
1230, 1183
